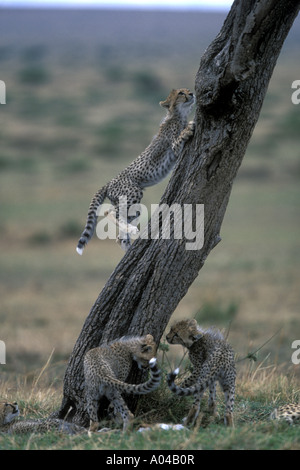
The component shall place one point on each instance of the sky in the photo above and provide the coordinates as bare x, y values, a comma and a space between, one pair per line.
120, 3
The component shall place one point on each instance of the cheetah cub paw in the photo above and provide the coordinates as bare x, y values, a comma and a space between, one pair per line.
189, 131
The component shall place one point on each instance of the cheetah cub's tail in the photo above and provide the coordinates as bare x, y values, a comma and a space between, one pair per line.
91, 219
154, 381
143, 388
197, 388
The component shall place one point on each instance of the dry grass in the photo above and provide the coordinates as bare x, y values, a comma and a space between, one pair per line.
260, 388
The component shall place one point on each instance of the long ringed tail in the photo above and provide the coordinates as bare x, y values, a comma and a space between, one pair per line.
91, 219
197, 388
143, 388
214, 369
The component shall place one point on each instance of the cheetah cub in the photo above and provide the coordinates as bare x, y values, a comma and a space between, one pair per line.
149, 168
107, 367
10, 411
212, 359
289, 412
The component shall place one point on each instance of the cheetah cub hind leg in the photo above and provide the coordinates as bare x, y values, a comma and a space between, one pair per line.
123, 226
126, 229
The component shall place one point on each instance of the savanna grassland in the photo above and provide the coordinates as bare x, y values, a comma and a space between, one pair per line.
82, 93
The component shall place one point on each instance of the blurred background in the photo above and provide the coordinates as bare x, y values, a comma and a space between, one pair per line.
82, 93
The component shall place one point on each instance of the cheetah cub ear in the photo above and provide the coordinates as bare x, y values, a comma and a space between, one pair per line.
167, 102
192, 323
148, 344
164, 104
149, 338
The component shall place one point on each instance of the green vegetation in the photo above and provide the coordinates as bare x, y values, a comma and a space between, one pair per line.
80, 106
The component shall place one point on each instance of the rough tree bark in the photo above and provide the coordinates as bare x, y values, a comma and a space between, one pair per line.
153, 276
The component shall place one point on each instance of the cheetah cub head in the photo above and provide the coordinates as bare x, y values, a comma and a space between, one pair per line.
144, 351
184, 332
8, 412
181, 100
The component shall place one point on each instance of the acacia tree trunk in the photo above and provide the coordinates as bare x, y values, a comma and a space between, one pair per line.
154, 275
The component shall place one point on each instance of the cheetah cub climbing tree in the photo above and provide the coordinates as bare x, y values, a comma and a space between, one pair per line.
148, 169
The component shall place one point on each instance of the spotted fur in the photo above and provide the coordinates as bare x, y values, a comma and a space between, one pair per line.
10, 411
106, 369
149, 168
289, 412
212, 359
